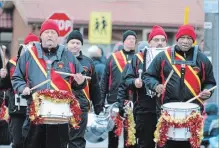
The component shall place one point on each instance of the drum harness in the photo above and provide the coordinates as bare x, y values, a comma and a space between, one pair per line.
183, 64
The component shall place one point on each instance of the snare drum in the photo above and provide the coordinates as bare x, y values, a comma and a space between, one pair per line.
179, 110
54, 113
51, 111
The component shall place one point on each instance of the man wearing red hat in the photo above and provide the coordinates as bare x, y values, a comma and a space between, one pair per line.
31, 38
189, 65
38, 65
17, 113
144, 100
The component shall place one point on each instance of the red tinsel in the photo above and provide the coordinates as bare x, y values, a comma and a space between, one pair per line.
4, 112
194, 122
76, 111
119, 124
56, 96
60, 95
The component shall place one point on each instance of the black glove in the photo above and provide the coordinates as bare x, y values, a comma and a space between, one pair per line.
27, 97
121, 111
98, 109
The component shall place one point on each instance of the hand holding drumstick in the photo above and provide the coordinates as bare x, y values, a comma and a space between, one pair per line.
3, 71
70, 74
3, 56
161, 87
138, 82
27, 90
205, 94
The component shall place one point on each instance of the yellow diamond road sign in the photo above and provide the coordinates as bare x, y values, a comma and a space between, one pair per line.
100, 28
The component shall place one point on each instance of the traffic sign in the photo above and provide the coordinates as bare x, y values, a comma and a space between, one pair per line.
64, 22
100, 28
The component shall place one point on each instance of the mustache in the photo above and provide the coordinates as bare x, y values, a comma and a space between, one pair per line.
159, 46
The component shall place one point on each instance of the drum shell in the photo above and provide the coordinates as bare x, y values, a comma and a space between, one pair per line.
54, 113
179, 110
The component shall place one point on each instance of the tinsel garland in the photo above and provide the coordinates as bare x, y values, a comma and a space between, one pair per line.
119, 125
4, 115
194, 122
129, 125
56, 97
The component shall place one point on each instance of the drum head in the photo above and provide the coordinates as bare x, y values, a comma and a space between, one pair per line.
181, 105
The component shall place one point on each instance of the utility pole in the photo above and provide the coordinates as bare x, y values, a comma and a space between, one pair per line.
211, 39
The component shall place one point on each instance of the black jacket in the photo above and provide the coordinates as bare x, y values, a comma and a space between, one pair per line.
111, 78
144, 100
94, 88
123, 92
10, 95
176, 90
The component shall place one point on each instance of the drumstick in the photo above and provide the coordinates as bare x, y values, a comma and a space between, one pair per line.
69, 74
167, 80
140, 73
3, 56
194, 98
39, 85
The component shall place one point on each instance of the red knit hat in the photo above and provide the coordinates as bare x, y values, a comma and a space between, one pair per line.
49, 24
156, 30
31, 38
186, 30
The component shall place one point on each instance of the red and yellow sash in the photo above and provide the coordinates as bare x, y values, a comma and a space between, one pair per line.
57, 82
191, 79
120, 60
140, 56
13, 61
86, 92
12, 69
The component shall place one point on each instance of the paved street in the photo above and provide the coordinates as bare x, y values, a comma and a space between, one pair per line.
103, 144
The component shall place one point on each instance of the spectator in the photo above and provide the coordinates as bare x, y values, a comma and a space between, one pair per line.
97, 55
118, 46
142, 45
201, 45
212, 115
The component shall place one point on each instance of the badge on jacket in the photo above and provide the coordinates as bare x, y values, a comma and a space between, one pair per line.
86, 69
60, 65
196, 69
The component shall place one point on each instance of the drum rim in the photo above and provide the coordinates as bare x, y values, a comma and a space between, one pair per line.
197, 108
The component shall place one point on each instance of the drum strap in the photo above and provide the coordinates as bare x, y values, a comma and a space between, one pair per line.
186, 73
183, 68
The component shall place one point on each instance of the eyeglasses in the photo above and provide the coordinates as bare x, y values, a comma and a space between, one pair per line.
158, 39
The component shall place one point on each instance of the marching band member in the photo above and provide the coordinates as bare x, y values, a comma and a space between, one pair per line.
193, 74
38, 64
17, 113
112, 75
4, 127
144, 100
88, 94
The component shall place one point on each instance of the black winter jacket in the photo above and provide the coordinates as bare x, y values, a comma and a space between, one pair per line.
111, 78
176, 90
94, 88
144, 100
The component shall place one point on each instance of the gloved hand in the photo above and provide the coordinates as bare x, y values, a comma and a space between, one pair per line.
98, 109
27, 97
121, 111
